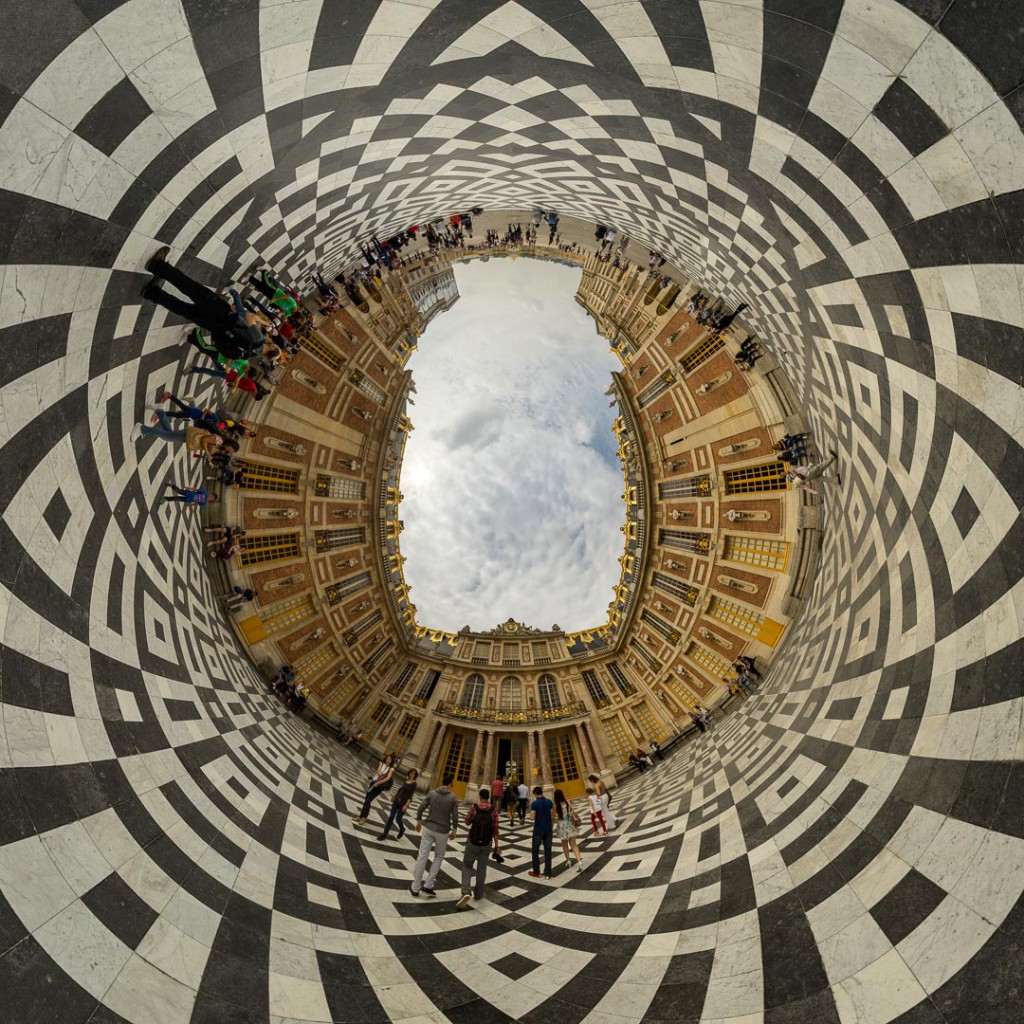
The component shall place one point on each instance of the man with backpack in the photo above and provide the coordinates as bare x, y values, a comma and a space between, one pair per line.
233, 330
482, 819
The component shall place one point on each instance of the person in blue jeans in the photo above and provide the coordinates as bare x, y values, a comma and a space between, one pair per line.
188, 495
540, 815
400, 804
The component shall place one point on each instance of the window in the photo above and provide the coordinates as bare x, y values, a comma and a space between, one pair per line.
540, 652
675, 587
337, 697
337, 592
745, 619
660, 626
363, 626
511, 694
717, 666
595, 689
648, 723
473, 692
377, 719
313, 664
426, 688
287, 613
331, 540
367, 387
405, 734
562, 758
403, 680
314, 344
339, 487
269, 547
656, 389
377, 655
689, 487
458, 757
685, 540
547, 688
645, 655
704, 351
626, 688
257, 476
769, 476
617, 734
765, 554
481, 652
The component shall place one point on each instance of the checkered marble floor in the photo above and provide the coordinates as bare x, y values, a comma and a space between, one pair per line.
848, 846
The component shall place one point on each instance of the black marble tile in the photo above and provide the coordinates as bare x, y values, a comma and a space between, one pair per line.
909, 117
38, 989
118, 906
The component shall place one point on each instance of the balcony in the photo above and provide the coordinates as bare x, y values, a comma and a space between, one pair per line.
510, 716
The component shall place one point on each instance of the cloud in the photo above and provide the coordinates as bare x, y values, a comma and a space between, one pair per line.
512, 488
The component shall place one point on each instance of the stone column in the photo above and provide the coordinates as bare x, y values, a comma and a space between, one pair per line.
488, 766
589, 765
588, 728
531, 758
433, 752
474, 765
545, 766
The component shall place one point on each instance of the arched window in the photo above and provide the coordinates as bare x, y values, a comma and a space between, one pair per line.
548, 689
511, 694
473, 692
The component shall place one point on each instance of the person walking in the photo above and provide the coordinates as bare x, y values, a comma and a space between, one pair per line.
437, 821
522, 800
188, 496
596, 812
381, 780
744, 663
274, 291
231, 328
605, 797
238, 597
567, 829
498, 793
195, 439
400, 804
511, 799
482, 819
807, 474
540, 814
656, 750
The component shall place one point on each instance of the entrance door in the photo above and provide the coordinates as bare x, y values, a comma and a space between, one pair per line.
457, 760
510, 758
565, 770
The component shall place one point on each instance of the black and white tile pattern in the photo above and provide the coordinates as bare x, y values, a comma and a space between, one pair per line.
848, 846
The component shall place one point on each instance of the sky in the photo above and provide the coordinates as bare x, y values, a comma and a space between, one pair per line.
511, 480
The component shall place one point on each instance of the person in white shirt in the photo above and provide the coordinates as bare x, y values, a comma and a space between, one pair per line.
523, 800
596, 813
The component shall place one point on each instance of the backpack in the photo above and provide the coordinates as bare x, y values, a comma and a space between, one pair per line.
481, 831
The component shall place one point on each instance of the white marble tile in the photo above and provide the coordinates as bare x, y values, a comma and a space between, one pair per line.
139, 30
31, 882
882, 989
84, 948
944, 942
143, 993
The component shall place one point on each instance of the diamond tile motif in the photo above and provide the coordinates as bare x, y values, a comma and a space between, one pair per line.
57, 515
846, 846
514, 966
965, 513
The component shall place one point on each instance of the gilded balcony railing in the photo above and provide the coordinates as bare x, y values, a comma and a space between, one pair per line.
507, 716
